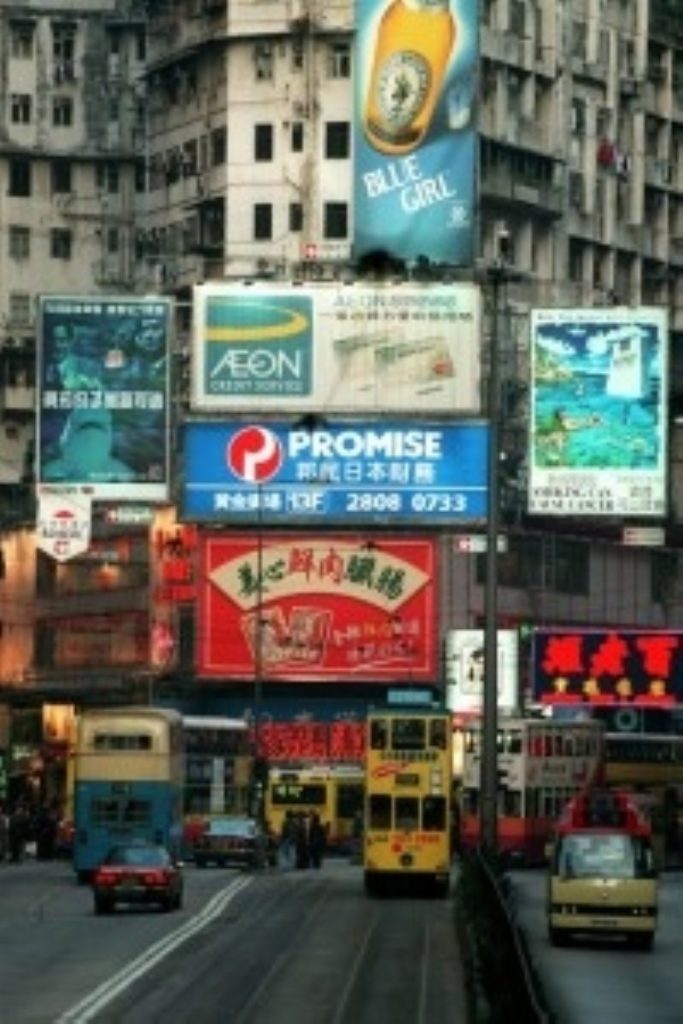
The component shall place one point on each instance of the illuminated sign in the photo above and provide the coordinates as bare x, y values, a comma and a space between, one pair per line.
351, 473
298, 607
312, 741
598, 423
633, 667
465, 670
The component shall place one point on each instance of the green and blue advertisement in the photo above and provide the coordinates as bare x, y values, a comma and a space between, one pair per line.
415, 129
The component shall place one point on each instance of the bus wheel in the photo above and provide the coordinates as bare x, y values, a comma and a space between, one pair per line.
83, 877
558, 937
370, 884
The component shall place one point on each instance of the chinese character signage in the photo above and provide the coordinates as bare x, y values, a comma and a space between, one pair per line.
314, 608
103, 407
312, 741
465, 670
355, 473
336, 348
64, 522
643, 668
598, 422
414, 128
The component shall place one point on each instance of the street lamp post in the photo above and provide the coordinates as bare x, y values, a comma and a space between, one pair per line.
489, 753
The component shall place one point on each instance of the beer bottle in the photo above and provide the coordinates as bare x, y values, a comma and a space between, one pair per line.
414, 42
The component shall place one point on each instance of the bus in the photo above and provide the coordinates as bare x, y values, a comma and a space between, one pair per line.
408, 784
650, 767
541, 764
603, 879
333, 791
218, 771
128, 780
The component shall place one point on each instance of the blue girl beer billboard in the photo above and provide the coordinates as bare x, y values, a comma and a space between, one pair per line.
414, 128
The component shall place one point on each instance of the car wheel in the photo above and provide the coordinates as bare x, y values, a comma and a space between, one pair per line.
179, 899
168, 903
103, 905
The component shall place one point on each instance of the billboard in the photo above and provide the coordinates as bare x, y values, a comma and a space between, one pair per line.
415, 142
336, 348
638, 667
103, 409
63, 527
325, 607
347, 473
598, 417
465, 670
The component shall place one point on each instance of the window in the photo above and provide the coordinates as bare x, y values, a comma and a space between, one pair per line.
378, 734
263, 61
263, 142
19, 308
60, 244
407, 813
219, 146
63, 42
297, 54
336, 220
339, 61
296, 216
337, 136
107, 178
434, 814
122, 741
263, 221
19, 176
112, 240
140, 47
20, 104
380, 811
297, 131
408, 734
22, 41
113, 108
62, 111
19, 242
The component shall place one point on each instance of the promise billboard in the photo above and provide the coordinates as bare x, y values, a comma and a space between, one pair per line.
324, 607
598, 412
415, 140
336, 348
103, 409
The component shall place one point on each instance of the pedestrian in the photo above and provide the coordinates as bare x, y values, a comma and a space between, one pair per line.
18, 832
317, 840
46, 832
303, 854
287, 844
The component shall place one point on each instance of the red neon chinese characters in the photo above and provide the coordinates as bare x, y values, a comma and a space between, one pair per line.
610, 656
657, 654
563, 655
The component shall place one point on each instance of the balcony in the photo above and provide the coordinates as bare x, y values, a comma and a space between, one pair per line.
542, 197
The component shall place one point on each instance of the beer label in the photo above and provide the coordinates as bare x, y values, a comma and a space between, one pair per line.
401, 89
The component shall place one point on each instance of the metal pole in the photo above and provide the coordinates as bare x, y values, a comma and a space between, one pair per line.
489, 754
258, 662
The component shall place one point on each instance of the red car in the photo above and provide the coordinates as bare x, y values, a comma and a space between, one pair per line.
233, 842
138, 873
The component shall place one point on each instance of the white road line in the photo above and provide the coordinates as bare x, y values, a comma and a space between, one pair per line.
100, 997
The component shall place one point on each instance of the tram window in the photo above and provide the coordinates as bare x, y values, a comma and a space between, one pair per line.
515, 743
136, 812
104, 812
510, 802
378, 734
380, 811
437, 733
116, 741
408, 734
407, 813
434, 814
349, 799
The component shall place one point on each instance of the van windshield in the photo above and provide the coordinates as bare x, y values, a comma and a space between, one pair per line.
603, 855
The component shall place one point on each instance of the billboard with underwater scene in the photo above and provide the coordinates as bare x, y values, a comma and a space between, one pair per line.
598, 412
415, 140
103, 409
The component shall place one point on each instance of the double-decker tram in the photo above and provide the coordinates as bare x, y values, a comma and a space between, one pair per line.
541, 764
408, 783
128, 780
650, 767
218, 770
332, 791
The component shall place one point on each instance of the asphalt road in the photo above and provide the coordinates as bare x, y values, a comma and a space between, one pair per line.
270, 948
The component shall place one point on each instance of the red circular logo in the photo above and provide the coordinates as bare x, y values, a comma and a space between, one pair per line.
254, 454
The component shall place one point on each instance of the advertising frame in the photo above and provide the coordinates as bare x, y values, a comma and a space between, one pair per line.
465, 670
598, 412
103, 409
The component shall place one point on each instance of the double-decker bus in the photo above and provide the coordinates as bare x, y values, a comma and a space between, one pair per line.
650, 766
218, 771
541, 764
333, 791
128, 780
408, 784
603, 878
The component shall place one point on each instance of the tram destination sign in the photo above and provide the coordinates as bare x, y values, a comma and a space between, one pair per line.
349, 473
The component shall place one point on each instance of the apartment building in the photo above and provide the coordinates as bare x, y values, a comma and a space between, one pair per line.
149, 146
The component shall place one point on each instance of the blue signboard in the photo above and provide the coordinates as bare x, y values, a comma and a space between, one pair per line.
349, 474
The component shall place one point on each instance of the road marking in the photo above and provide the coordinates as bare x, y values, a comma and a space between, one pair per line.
90, 1005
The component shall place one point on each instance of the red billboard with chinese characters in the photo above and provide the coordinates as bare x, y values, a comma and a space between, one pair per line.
637, 667
306, 608
312, 741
